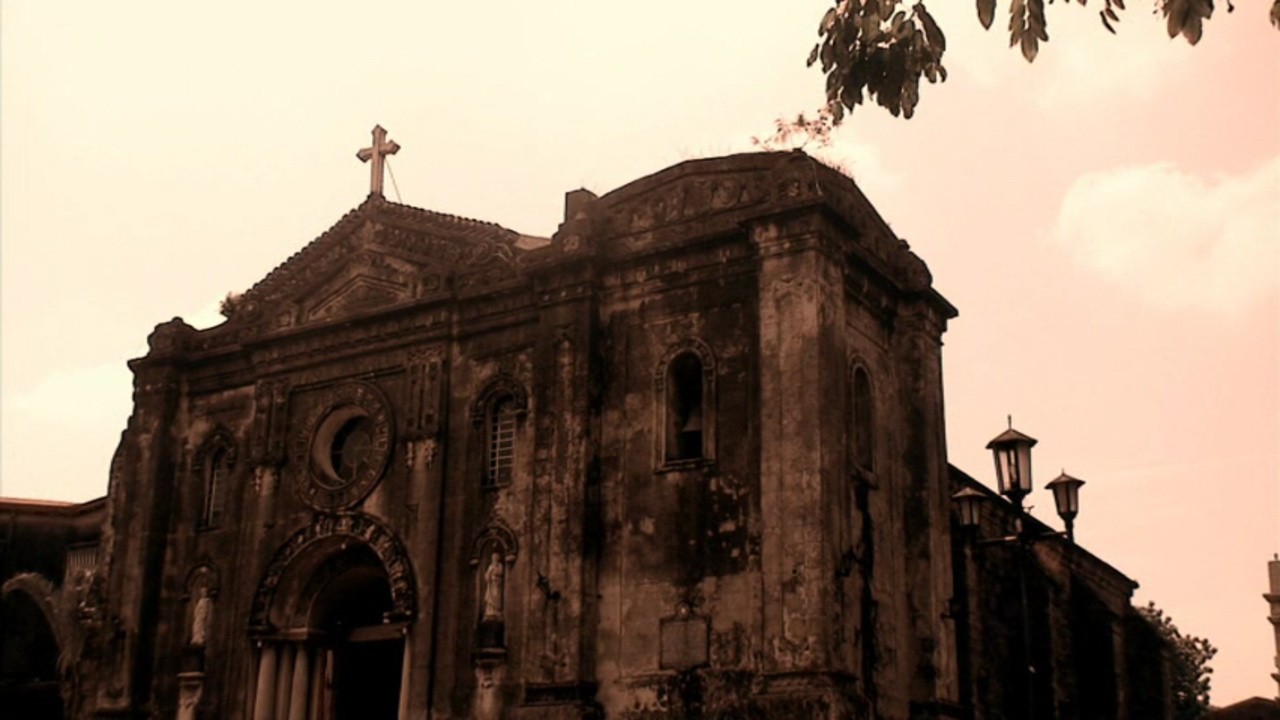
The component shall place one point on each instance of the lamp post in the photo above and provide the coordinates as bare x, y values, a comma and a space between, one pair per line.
1012, 453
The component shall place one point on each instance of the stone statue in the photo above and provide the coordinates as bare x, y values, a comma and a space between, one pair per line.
201, 615
493, 590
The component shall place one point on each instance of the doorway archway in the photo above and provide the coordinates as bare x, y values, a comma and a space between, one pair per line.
330, 620
30, 683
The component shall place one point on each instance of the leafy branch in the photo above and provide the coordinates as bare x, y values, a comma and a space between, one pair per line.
1190, 658
880, 49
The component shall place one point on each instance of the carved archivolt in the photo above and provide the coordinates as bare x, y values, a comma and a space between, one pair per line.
691, 344
39, 589
202, 576
503, 385
219, 438
363, 528
496, 534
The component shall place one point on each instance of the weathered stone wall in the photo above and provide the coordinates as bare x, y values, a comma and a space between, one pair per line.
764, 575
1093, 656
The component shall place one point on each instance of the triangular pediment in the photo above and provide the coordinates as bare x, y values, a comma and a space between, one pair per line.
350, 294
379, 255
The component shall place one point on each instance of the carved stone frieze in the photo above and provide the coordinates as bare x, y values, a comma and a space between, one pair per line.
346, 339
425, 376
270, 406
688, 199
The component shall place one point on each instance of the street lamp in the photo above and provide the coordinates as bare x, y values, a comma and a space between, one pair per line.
969, 503
1066, 496
1012, 453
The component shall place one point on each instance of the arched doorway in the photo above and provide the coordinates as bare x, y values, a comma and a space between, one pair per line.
333, 613
29, 679
349, 611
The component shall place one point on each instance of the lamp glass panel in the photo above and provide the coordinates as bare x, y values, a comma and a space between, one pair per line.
1022, 478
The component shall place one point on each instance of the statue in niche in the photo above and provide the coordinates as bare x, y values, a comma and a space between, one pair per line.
490, 634
493, 582
201, 616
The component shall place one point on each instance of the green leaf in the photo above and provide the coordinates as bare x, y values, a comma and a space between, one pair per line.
931, 29
1192, 30
1030, 46
828, 21
987, 12
1175, 12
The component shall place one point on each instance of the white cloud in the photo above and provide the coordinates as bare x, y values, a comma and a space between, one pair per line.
1084, 64
1081, 64
1177, 239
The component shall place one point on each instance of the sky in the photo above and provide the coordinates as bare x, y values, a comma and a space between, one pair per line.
1107, 219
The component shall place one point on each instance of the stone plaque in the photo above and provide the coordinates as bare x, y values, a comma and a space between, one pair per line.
683, 643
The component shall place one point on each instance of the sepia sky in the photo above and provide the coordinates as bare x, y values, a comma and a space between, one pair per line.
1107, 220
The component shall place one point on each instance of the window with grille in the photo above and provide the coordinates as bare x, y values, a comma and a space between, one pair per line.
216, 472
502, 441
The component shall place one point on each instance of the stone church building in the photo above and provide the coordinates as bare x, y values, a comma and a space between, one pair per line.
684, 458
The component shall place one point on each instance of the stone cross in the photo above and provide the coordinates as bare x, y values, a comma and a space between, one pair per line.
377, 152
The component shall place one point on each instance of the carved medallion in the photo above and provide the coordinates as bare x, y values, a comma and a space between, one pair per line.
343, 448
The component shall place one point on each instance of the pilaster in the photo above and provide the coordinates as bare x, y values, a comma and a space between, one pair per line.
916, 348
138, 514
796, 454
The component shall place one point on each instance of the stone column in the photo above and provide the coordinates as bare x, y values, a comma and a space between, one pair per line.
318, 700
301, 682
405, 676
265, 701
284, 679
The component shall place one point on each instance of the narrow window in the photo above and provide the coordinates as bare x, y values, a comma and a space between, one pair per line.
216, 470
502, 440
684, 408
863, 434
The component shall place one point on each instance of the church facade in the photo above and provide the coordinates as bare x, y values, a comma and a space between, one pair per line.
684, 458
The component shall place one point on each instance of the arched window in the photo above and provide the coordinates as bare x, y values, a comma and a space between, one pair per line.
217, 473
500, 442
212, 467
685, 411
862, 434
496, 414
